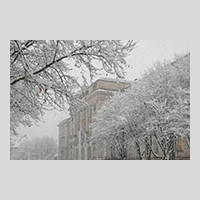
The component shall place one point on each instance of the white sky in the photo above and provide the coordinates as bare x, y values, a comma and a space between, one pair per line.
147, 52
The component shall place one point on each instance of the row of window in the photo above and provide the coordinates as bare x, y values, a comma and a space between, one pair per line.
74, 154
87, 115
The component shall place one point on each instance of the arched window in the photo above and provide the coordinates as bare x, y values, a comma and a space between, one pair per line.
180, 144
76, 153
82, 153
89, 152
93, 150
94, 108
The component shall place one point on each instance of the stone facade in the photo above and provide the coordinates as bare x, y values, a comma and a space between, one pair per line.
74, 132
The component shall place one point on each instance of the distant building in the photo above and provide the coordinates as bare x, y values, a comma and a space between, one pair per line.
74, 132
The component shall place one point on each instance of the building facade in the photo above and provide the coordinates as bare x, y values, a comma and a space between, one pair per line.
74, 132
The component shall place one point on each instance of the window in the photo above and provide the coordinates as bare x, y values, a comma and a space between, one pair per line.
94, 86
84, 125
90, 111
94, 150
86, 93
84, 115
90, 131
89, 153
94, 108
82, 153
180, 144
78, 122
82, 138
76, 153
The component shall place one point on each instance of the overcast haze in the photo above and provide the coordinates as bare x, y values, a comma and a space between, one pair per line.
141, 58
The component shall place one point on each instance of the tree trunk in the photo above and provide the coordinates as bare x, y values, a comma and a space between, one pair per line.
138, 150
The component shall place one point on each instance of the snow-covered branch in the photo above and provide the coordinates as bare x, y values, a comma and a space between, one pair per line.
40, 72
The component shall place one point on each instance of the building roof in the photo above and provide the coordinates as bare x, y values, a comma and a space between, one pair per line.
63, 121
114, 80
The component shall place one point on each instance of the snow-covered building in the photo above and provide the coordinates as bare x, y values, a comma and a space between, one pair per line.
74, 132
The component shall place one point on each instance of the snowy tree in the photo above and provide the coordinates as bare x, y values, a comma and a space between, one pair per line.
109, 126
168, 104
155, 110
37, 149
40, 72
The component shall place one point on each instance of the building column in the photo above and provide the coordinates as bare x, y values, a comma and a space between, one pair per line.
79, 145
85, 145
104, 148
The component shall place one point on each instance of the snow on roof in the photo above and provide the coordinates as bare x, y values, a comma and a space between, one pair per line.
64, 121
114, 80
